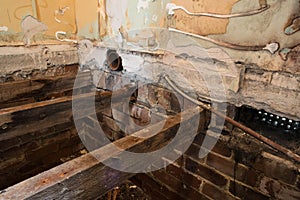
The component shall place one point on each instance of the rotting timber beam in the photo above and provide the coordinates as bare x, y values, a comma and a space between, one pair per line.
41, 115
87, 177
41, 87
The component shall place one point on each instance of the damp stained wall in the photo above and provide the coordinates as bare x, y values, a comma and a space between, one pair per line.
98, 19
263, 78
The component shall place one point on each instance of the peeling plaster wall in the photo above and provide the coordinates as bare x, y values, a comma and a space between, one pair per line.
263, 28
269, 75
98, 19
203, 25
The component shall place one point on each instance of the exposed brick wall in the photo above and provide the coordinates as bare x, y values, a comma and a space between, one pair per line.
238, 167
229, 171
245, 84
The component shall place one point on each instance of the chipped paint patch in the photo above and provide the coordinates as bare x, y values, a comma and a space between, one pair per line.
116, 12
154, 18
61, 12
143, 4
132, 63
292, 58
58, 15
31, 26
293, 27
284, 53
3, 28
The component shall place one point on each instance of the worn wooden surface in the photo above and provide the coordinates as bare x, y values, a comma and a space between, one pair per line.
37, 129
32, 117
86, 177
35, 136
37, 89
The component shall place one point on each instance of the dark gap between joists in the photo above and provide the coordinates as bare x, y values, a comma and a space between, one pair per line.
282, 130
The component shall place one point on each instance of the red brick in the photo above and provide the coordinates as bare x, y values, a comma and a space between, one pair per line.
183, 189
227, 166
90, 142
220, 146
244, 192
141, 116
192, 194
153, 188
30, 168
193, 152
164, 98
278, 190
252, 178
199, 138
172, 155
108, 132
89, 121
152, 95
215, 193
277, 169
5, 182
187, 178
33, 145
230, 112
167, 179
205, 172
55, 158
222, 149
244, 156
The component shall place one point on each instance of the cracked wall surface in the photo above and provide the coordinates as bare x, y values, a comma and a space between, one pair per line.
260, 78
99, 19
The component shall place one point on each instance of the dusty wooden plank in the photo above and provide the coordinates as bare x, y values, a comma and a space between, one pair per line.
20, 120
86, 177
38, 116
39, 89
32, 117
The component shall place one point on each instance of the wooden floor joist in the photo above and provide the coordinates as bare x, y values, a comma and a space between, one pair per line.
86, 177
31, 117
39, 115
31, 90
32, 135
